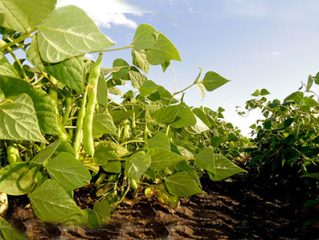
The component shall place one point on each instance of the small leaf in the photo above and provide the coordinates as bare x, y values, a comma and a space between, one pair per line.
202, 89
22, 16
224, 168
6, 69
309, 83
185, 118
136, 78
162, 158
52, 203
18, 178
112, 166
256, 93
158, 48
68, 171
136, 165
8, 232
69, 32
213, 81
103, 210
217, 166
46, 153
199, 112
182, 184
18, 120
264, 92
140, 60
69, 72
160, 140
103, 124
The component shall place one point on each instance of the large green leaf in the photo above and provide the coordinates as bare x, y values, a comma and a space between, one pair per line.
18, 120
162, 158
6, 69
52, 203
157, 47
103, 124
44, 106
218, 166
167, 114
69, 32
22, 16
182, 184
160, 140
185, 118
136, 165
68, 171
9, 232
18, 178
107, 151
70, 72
213, 81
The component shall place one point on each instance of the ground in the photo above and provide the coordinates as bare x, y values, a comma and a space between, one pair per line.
241, 209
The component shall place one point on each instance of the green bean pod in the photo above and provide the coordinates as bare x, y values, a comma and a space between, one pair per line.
79, 126
88, 141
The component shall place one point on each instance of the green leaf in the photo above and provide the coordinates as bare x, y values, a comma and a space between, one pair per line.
256, 93
70, 72
18, 178
44, 106
68, 171
107, 151
148, 88
202, 116
217, 166
167, 115
185, 118
33, 54
18, 120
9, 232
213, 81
103, 124
6, 69
112, 166
309, 83
136, 78
46, 153
136, 165
158, 48
264, 92
52, 203
160, 140
69, 32
103, 210
140, 60
182, 184
22, 16
162, 158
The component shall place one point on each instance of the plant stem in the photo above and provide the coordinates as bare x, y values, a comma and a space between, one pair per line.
183, 90
16, 41
18, 62
118, 49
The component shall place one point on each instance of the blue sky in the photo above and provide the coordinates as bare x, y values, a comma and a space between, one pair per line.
271, 44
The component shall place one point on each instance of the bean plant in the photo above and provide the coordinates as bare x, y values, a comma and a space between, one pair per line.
61, 131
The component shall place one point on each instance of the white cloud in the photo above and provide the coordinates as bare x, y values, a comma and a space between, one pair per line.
106, 13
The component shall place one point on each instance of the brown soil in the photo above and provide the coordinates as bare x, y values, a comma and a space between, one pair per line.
232, 210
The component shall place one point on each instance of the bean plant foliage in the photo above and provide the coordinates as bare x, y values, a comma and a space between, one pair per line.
61, 131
